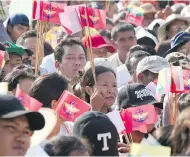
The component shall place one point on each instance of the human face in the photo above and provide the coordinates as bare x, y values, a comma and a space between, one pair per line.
124, 41
16, 31
25, 85
26, 59
106, 82
148, 18
185, 49
147, 77
176, 27
100, 53
72, 61
6, 68
30, 43
15, 136
15, 61
133, 64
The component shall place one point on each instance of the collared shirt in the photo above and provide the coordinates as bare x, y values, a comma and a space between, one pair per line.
48, 63
115, 61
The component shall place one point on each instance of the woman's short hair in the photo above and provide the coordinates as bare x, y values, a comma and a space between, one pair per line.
65, 145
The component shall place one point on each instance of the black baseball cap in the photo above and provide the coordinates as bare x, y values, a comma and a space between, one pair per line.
92, 126
11, 107
136, 94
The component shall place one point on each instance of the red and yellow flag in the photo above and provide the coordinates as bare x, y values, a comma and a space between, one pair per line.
47, 11
91, 17
2, 61
70, 107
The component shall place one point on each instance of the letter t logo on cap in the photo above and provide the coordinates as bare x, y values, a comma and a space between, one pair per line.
105, 136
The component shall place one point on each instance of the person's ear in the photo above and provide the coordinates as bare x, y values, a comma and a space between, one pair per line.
139, 76
53, 103
9, 28
114, 43
57, 66
89, 90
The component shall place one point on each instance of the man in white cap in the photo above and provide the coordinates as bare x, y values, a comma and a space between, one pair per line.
149, 67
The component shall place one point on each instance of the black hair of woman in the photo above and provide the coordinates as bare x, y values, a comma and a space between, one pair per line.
67, 146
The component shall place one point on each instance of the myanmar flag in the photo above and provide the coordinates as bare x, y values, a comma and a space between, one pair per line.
134, 15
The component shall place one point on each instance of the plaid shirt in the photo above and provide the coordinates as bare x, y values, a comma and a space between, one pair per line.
3, 13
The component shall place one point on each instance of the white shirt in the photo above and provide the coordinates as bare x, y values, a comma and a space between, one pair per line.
115, 61
48, 63
38, 150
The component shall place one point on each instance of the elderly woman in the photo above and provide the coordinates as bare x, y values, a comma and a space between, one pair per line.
173, 25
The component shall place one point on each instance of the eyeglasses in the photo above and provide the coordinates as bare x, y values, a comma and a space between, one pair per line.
178, 28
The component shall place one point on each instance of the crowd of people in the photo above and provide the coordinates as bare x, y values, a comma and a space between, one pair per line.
161, 41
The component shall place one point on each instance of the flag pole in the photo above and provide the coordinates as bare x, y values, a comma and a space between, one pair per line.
176, 107
40, 44
88, 34
107, 5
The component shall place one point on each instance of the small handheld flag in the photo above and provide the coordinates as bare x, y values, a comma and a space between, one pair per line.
2, 61
70, 107
141, 116
47, 11
3, 88
115, 117
91, 17
148, 150
134, 15
71, 21
28, 102
127, 120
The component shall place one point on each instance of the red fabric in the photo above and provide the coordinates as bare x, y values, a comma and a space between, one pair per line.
134, 19
97, 42
127, 120
181, 1
48, 12
70, 107
91, 17
2, 53
141, 116
28, 102
176, 80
